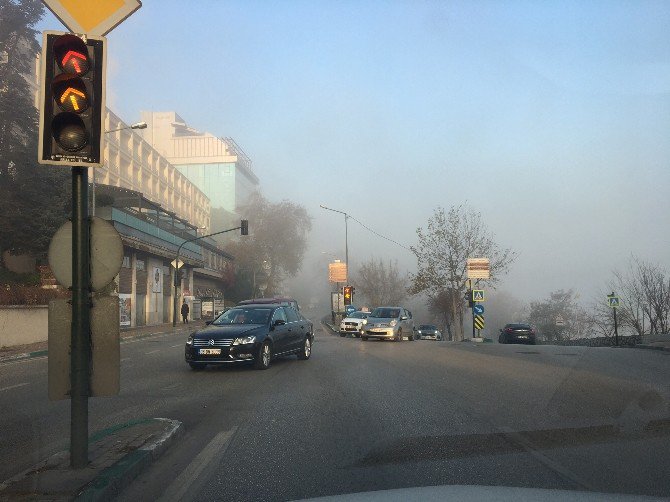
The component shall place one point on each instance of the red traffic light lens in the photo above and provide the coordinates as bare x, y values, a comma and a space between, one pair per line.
71, 54
69, 131
70, 93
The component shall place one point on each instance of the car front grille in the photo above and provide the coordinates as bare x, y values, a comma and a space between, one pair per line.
204, 342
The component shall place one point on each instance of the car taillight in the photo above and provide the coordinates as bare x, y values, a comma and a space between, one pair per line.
532, 331
508, 330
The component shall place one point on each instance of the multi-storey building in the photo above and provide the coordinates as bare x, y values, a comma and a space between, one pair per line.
217, 166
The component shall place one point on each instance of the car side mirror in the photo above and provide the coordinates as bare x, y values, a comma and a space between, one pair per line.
500, 330
403, 318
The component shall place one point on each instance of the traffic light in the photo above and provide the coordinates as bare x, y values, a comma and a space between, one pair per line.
72, 100
467, 296
348, 291
244, 227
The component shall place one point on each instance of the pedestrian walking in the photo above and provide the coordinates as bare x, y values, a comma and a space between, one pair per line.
184, 312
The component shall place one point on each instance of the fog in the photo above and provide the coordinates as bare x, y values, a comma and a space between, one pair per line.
551, 119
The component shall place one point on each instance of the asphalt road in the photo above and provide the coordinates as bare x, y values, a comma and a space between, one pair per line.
362, 416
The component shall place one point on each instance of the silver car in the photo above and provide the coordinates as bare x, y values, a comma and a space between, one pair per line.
389, 323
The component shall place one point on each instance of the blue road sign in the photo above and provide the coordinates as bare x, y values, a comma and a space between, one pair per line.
479, 309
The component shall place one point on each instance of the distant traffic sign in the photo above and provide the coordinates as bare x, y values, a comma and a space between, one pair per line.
613, 301
479, 309
92, 18
477, 268
477, 295
479, 321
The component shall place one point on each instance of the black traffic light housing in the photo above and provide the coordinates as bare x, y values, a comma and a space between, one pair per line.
244, 227
468, 298
348, 292
72, 100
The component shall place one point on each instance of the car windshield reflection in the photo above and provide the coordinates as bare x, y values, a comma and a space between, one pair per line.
243, 316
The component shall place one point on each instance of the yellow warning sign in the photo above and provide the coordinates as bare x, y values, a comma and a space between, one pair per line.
97, 18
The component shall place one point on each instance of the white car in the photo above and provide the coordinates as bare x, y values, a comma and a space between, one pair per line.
354, 323
429, 332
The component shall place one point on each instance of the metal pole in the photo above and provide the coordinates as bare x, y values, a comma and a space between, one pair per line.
346, 244
81, 320
616, 331
176, 262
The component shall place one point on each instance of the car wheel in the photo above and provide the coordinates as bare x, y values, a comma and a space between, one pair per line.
306, 350
264, 357
501, 339
399, 336
343, 334
364, 338
197, 366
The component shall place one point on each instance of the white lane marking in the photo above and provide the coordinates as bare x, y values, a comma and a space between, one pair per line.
180, 486
152, 352
13, 386
178, 345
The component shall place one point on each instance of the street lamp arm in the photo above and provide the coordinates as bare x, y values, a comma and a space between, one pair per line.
333, 210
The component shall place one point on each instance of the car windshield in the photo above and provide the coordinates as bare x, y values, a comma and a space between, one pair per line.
200, 199
257, 315
385, 313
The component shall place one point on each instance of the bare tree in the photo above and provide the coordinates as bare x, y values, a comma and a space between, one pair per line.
450, 238
440, 306
275, 246
644, 294
381, 284
560, 317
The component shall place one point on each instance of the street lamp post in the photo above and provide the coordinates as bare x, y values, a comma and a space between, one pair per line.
137, 125
176, 266
346, 236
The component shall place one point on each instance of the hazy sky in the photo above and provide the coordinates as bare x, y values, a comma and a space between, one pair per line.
551, 118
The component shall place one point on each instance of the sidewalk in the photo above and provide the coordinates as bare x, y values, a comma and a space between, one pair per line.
116, 456
40, 349
655, 342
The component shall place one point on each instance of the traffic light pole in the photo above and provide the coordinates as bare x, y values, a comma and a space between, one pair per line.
177, 267
80, 359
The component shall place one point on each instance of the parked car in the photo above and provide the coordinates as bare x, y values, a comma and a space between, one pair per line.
354, 323
517, 333
254, 333
389, 323
428, 332
279, 300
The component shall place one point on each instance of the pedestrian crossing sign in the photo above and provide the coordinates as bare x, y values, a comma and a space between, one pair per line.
477, 295
613, 301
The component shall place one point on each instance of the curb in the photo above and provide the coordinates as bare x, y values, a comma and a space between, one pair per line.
45, 352
651, 347
111, 481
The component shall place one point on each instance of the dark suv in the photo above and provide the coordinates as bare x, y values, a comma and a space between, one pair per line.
252, 334
517, 333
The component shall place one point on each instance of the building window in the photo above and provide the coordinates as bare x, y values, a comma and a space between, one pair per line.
139, 265
126, 262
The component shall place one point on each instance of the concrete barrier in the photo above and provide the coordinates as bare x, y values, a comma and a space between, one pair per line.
22, 324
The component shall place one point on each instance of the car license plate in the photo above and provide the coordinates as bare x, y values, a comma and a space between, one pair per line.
210, 352
523, 336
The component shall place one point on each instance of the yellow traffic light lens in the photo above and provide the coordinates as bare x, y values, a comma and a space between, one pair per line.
69, 132
71, 55
70, 93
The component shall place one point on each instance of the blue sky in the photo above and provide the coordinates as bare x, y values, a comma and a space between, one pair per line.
551, 118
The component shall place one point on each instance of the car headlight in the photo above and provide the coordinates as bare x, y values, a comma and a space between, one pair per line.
393, 323
244, 340
189, 341
419, 331
364, 322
